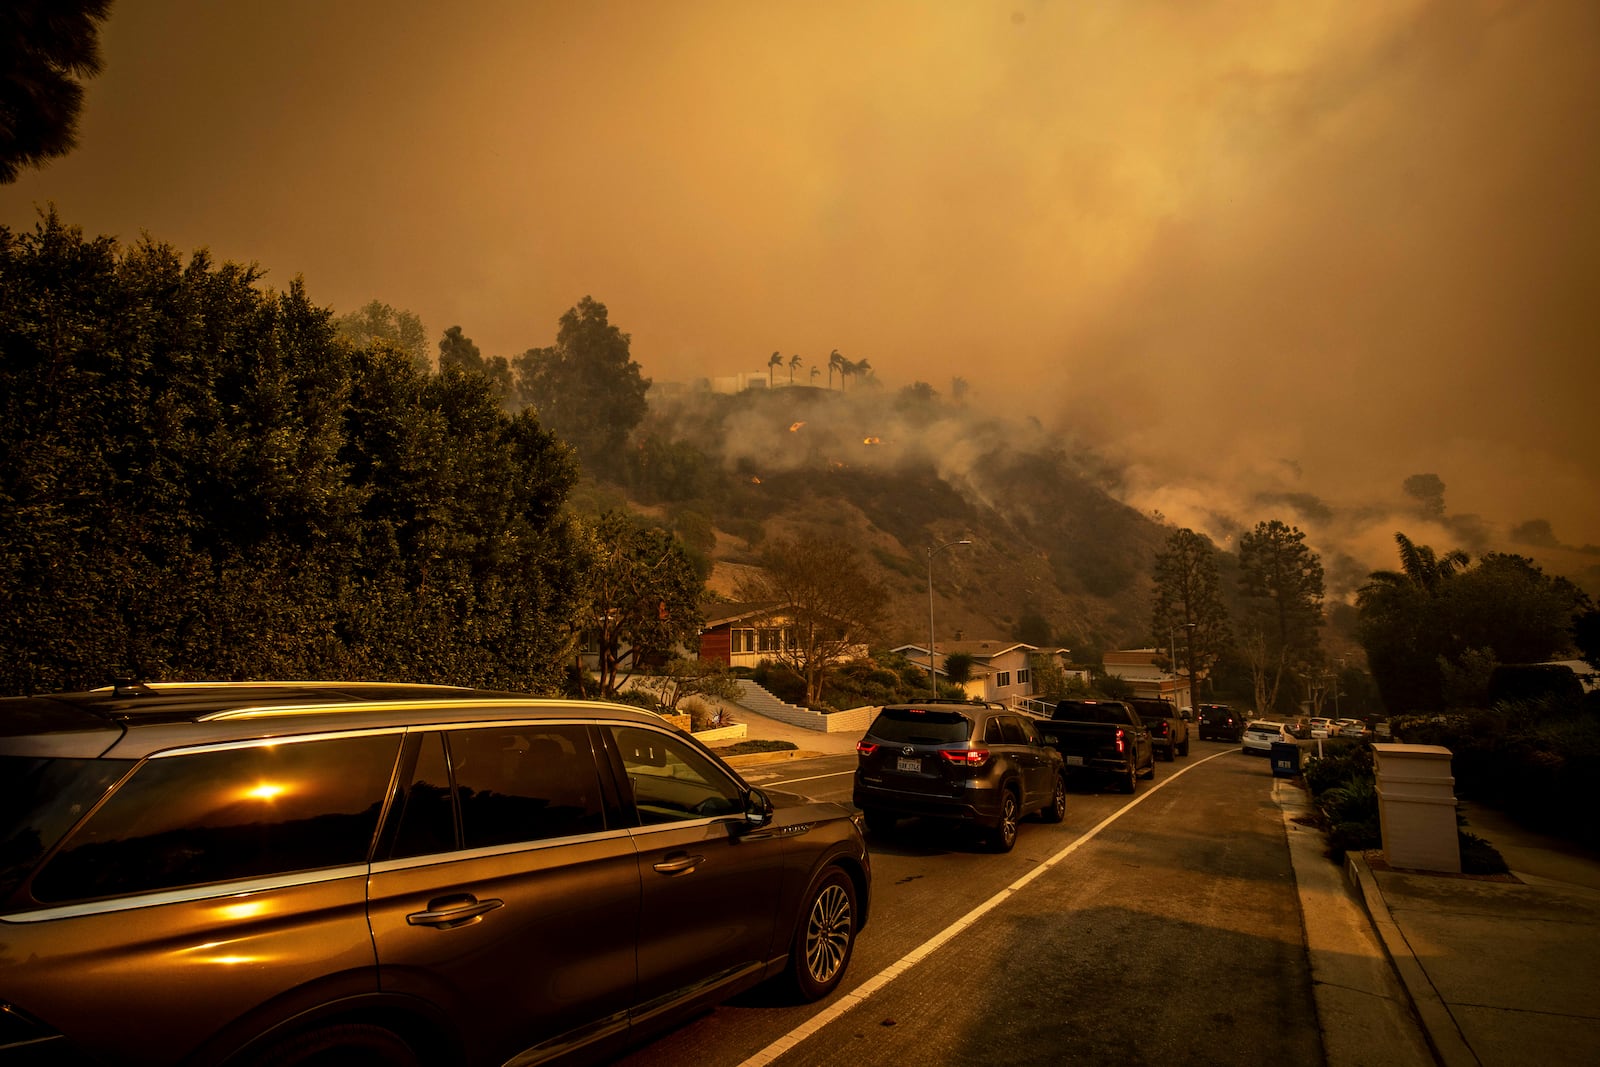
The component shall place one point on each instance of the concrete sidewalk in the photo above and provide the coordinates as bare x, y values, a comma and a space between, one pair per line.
1500, 972
1412, 968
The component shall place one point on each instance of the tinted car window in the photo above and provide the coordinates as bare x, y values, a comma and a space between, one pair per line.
671, 780
993, 733
40, 799
524, 784
1015, 734
919, 726
225, 815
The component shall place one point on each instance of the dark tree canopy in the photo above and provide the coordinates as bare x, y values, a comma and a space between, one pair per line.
586, 387
199, 480
1188, 613
1438, 617
46, 48
644, 596
1280, 578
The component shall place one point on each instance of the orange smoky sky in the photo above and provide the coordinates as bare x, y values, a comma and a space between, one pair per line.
1308, 246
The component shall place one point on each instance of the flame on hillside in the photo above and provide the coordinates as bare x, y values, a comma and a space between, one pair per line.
870, 441
794, 427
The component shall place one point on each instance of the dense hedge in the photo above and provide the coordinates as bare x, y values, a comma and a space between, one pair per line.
1533, 759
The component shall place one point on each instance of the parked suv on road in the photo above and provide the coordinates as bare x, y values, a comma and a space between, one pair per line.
1219, 722
368, 873
978, 764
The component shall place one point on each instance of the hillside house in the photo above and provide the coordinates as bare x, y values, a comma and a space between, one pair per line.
1140, 668
1002, 671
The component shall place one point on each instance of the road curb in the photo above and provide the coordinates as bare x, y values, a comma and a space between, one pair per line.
1438, 1025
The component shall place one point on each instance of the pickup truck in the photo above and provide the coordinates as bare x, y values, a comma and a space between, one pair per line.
1101, 737
1169, 730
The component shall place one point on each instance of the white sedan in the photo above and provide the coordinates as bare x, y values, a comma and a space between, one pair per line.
1260, 735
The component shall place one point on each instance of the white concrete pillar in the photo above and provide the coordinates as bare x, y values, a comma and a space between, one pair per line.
1417, 807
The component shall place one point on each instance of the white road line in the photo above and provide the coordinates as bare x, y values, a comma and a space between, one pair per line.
815, 777
860, 994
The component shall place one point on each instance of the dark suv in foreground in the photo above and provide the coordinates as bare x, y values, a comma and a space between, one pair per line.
367, 873
978, 764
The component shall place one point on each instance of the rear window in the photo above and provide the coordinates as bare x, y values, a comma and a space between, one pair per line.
921, 726
1082, 712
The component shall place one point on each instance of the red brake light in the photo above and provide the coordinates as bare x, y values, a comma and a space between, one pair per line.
966, 757
1119, 739
865, 748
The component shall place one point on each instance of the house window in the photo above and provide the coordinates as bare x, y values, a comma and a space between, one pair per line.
744, 640
1002, 679
1022, 676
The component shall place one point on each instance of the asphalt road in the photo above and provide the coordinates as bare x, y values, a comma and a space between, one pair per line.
1163, 928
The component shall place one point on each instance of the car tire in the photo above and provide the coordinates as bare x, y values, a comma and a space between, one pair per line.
1183, 749
825, 936
1003, 836
1129, 782
881, 823
1056, 810
356, 1044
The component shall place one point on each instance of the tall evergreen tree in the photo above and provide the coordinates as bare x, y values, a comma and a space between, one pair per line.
1188, 604
1281, 579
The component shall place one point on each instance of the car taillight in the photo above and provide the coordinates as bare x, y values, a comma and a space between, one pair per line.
1119, 739
966, 757
865, 748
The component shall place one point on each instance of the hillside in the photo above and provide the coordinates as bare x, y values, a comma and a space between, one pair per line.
895, 477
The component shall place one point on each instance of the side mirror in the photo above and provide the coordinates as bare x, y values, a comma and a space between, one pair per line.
757, 809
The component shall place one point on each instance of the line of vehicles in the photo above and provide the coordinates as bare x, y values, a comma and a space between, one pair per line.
987, 767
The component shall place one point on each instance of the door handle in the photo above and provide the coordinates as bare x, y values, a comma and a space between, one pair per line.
450, 916
679, 865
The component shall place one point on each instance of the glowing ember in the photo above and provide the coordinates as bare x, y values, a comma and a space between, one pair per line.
754, 480
794, 427
869, 440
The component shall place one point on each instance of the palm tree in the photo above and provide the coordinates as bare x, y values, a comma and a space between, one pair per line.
835, 360
816, 371
794, 362
1420, 567
863, 370
847, 367
775, 361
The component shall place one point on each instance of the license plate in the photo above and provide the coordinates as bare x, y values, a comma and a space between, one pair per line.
913, 766
1074, 761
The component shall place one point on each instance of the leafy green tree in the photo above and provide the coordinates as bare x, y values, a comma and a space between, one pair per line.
832, 602
198, 479
1586, 637
47, 47
958, 668
586, 388
1281, 582
644, 596
1434, 630
456, 350
378, 323
1401, 625
682, 678
1188, 603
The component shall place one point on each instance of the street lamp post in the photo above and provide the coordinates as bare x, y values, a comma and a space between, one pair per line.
1188, 654
933, 684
